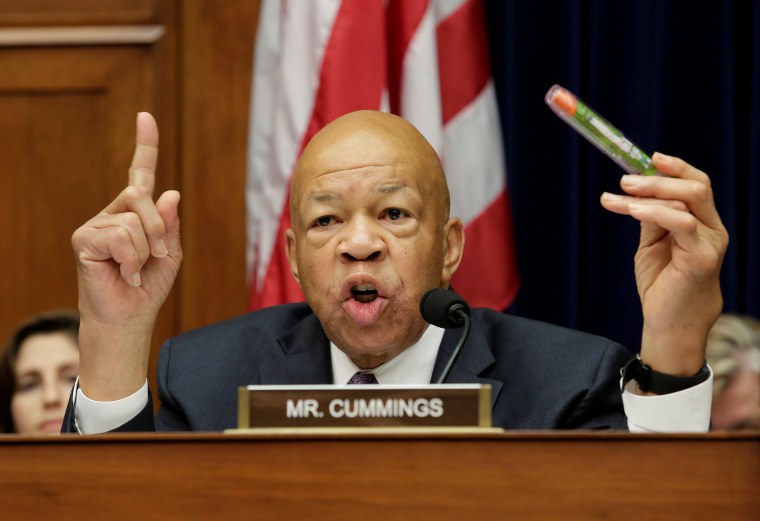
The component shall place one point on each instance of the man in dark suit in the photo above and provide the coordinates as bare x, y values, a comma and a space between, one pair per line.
371, 232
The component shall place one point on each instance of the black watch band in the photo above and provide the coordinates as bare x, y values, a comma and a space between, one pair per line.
651, 381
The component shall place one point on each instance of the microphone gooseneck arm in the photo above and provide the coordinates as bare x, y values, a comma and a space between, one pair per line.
446, 309
457, 348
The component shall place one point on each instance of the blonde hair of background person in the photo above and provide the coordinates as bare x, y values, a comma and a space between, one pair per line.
733, 351
38, 367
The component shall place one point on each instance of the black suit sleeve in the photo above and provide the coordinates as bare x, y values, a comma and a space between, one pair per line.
600, 406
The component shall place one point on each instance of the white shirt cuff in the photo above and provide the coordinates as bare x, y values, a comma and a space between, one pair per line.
95, 417
682, 411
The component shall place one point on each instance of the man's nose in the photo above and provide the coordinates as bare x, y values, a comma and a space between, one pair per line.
362, 241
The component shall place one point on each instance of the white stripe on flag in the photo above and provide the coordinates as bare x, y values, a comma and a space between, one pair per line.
290, 44
420, 89
443, 8
473, 156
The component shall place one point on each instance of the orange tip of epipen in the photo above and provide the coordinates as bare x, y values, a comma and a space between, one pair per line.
562, 99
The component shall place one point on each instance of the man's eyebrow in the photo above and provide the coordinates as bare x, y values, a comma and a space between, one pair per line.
322, 197
391, 189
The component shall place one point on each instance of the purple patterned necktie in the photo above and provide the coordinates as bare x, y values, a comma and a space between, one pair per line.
363, 379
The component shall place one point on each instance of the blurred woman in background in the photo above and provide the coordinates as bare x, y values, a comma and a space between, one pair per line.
733, 352
38, 368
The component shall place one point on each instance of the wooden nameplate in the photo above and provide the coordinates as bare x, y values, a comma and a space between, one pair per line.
331, 406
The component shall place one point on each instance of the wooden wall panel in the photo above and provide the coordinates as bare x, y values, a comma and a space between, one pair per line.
63, 12
217, 57
67, 112
66, 138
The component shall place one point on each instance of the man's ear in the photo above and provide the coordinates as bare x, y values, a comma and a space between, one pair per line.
453, 247
291, 250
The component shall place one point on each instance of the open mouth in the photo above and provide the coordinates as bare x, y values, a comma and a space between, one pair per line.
364, 300
364, 293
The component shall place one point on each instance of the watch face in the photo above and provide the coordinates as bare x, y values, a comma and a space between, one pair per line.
637, 370
631, 370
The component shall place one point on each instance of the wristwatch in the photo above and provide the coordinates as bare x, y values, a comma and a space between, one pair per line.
650, 381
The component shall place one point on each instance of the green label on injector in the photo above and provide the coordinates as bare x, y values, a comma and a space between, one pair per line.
612, 141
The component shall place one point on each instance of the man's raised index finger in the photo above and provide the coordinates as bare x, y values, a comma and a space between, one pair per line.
143, 169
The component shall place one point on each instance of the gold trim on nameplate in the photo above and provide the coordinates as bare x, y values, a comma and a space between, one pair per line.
338, 406
369, 431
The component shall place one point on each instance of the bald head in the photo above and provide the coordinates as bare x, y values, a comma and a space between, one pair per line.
371, 233
370, 138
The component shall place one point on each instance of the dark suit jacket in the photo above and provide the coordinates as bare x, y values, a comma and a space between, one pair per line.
542, 376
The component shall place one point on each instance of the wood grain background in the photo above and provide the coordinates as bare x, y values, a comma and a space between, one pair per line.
73, 75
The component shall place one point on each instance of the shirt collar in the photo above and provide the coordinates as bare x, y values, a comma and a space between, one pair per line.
414, 365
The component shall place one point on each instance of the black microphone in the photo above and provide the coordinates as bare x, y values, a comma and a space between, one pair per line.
446, 309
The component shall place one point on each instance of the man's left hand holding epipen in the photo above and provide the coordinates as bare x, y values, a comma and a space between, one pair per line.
677, 263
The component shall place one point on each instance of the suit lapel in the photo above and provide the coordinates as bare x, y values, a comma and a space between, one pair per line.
474, 358
305, 360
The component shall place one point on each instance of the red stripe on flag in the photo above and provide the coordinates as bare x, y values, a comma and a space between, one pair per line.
487, 275
353, 69
349, 81
404, 16
463, 58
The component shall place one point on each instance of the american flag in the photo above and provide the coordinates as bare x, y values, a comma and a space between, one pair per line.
425, 60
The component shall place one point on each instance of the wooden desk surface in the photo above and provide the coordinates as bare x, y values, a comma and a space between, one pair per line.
382, 475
